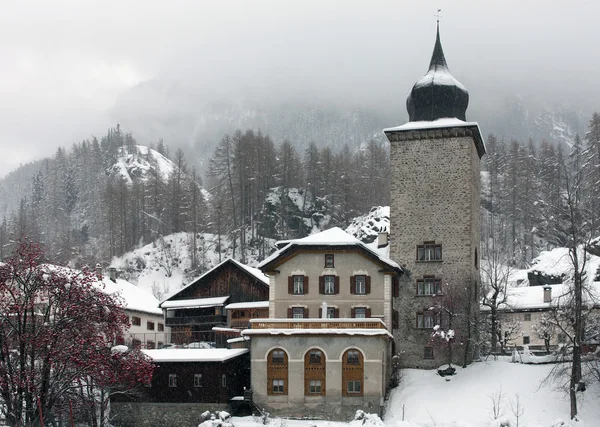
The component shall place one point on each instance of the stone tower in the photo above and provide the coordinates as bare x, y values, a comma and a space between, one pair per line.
435, 221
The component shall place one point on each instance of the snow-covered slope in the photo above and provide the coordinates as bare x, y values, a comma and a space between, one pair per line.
139, 165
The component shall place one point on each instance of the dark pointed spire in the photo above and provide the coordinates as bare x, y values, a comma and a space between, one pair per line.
437, 94
437, 58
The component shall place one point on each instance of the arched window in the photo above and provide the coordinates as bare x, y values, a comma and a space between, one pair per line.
314, 373
352, 373
277, 372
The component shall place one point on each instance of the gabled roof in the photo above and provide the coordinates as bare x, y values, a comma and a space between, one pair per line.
251, 271
329, 239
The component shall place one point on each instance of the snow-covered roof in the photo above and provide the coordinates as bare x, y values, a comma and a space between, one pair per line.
324, 331
242, 305
332, 237
194, 354
250, 270
238, 339
194, 303
435, 124
135, 298
532, 297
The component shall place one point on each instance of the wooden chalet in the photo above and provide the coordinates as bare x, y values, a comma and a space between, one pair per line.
195, 310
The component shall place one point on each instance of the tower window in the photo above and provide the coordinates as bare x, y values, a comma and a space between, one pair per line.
429, 286
429, 251
428, 353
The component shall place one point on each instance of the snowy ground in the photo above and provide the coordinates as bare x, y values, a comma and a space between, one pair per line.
428, 400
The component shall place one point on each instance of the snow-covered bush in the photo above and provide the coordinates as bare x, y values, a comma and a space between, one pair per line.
501, 422
215, 419
369, 420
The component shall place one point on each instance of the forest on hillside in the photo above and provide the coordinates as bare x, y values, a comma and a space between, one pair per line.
104, 197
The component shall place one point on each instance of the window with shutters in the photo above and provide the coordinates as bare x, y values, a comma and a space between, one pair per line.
360, 285
360, 313
298, 285
329, 285
332, 313
297, 312
277, 372
314, 373
352, 373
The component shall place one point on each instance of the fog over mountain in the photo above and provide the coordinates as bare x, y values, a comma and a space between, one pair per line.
189, 71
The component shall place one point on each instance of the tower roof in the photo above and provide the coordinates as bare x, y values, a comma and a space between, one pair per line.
437, 94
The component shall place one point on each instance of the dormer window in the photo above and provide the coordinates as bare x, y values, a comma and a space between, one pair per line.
547, 294
429, 251
329, 261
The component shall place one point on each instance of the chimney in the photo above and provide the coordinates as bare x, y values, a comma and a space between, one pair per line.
112, 273
382, 239
99, 271
547, 294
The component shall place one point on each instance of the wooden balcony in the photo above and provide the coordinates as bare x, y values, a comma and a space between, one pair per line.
316, 324
214, 320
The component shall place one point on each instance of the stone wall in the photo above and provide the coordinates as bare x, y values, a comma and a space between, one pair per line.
434, 197
149, 414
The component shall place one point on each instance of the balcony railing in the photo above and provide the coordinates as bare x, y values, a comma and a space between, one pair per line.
316, 324
196, 320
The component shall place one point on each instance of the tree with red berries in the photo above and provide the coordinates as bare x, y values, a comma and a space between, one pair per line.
57, 327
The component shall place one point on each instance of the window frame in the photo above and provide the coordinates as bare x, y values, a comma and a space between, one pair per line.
428, 284
160, 327
329, 261
277, 371
428, 353
429, 251
426, 318
279, 360
317, 359
528, 339
363, 312
173, 380
197, 380
298, 285
527, 317
355, 357
136, 321
315, 387
363, 283
329, 280
224, 380
354, 383
278, 388
296, 314
149, 325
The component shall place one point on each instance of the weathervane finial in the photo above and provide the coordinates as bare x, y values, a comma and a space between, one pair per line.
438, 15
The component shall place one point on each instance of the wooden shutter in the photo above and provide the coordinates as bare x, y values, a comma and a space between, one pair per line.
336, 285
321, 284
305, 285
395, 323
336, 313
290, 313
306, 312
352, 313
368, 313
367, 285
320, 313
277, 371
290, 284
396, 286
352, 285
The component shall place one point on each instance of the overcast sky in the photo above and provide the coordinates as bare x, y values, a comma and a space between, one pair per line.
64, 63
